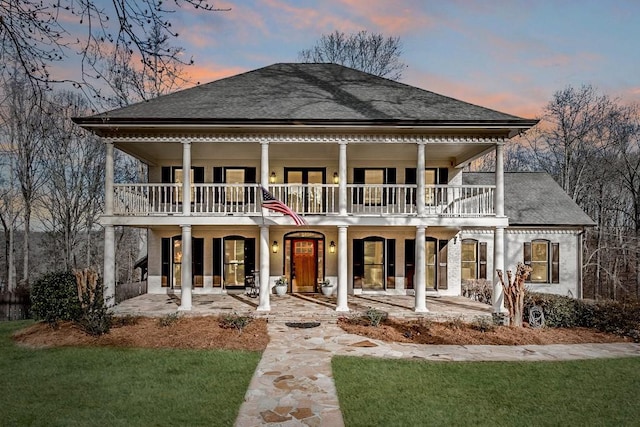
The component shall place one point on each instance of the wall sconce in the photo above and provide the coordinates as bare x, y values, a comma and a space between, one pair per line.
332, 247
336, 179
272, 177
275, 247
455, 238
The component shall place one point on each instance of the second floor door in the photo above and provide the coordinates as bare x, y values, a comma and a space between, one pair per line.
306, 197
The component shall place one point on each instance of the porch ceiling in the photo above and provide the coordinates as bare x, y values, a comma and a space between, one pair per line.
155, 153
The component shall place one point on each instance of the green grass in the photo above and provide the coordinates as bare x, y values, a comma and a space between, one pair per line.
120, 387
375, 392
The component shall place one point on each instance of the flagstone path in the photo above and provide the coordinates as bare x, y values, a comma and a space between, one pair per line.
293, 384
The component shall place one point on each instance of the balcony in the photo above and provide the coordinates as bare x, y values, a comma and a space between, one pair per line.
305, 199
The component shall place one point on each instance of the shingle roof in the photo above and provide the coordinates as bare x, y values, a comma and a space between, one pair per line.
533, 198
307, 92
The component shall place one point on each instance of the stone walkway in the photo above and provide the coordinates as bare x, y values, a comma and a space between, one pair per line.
293, 383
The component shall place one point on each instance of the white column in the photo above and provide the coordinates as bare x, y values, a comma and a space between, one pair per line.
186, 179
420, 180
499, 194
343, 281
420, 278
498, 264
265, 268
342, 176
108, 180
264, 164
186, 276
109, 272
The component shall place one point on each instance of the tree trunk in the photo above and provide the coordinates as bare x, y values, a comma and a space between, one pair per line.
25, 248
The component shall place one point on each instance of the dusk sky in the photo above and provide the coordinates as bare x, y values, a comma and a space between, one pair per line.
506, 55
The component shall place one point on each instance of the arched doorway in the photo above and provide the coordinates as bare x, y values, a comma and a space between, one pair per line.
304, 260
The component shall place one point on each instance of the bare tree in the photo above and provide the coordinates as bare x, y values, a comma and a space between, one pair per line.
368, 52
35, 33
75, 163
23, 133
566, 144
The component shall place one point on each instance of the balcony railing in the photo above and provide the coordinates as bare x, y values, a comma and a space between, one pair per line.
305, 199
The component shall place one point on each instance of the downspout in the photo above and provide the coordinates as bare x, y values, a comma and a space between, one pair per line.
580, 257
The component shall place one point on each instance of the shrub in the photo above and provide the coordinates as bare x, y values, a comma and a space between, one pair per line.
375, 316
235, 321
483, 324
95, 318
617, 317
54, 298
168, 320
478, 290
126, 320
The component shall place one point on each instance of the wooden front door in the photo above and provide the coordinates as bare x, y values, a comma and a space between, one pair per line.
304, 266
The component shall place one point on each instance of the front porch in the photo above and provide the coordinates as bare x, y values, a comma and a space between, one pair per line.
303, 307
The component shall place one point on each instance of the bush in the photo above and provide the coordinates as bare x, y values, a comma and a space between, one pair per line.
617, 317
559, 311
54, 298
478, 290
483, 324
168, 320
95, 318
375, 316
235, 321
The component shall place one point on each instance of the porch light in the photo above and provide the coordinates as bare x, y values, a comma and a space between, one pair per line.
275, 247
272, 178
335, 178
332, 247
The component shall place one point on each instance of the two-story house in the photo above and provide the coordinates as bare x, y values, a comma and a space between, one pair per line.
375, 167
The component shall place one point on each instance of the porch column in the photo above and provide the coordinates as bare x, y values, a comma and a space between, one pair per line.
420, 180
498, 264
109, 272
499, 193
420, 279
342, 177
264, 164
186, 182
342, 269
265, 288
186, 276
108, 180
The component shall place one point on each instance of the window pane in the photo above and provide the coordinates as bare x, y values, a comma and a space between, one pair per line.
539, 273
373, 265
469, 251
234, 262
431, 263
539, 251
373, 195
234, 194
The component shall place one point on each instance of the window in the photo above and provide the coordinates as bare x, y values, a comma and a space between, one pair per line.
374, 263
544, 259
474, 260
436, 257
172, 261
234, 193
233, 260
173, 174
374, 192
234, 271
432, 177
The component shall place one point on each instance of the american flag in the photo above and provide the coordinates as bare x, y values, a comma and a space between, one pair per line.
271, 203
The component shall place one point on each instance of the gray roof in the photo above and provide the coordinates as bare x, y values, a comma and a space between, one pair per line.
533, 198
304, 93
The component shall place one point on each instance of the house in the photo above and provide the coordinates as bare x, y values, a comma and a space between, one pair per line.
375, 167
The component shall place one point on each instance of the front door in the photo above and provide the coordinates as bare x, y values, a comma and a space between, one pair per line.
304, 265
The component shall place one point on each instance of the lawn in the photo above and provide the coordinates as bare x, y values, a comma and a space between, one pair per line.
375, 392
120, 387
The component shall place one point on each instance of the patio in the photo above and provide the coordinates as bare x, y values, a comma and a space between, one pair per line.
303, 307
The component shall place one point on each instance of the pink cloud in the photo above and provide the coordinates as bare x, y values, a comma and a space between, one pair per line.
311, 19
528, 105
209, 72
390, 18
